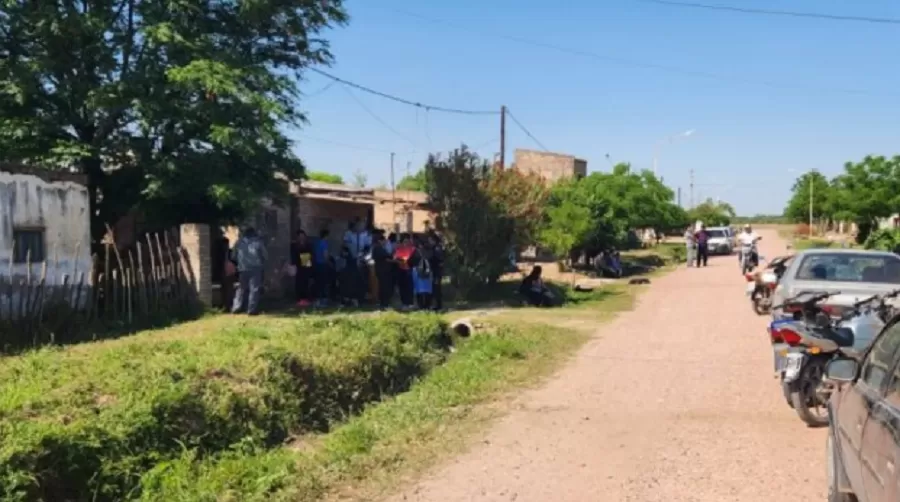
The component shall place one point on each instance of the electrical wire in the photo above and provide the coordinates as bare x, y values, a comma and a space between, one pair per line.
525, 130
327, 86
379, 119
627, 62
769, 12
402, 100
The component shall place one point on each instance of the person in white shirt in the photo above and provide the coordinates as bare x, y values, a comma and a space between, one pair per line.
747, 240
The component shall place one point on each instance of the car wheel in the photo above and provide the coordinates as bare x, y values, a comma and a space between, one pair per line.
833, 465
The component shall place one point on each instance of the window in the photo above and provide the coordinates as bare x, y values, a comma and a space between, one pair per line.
716, 234
28, 245
877, 366
850, 267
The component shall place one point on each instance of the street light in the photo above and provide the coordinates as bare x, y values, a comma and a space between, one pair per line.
812, 186
668, 139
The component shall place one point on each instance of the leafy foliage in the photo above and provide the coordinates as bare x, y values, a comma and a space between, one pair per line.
482, 214
177, 108
325, 177
712, 214
601, 210
887, 239
415, 182
797, 209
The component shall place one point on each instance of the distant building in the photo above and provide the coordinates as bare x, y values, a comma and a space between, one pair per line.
550, 166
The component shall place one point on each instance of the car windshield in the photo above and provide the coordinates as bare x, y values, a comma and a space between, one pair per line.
715, 233
846, 267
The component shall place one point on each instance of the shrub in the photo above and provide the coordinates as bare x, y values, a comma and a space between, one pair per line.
887, 239
87, 423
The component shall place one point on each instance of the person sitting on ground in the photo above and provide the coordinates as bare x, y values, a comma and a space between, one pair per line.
533, 289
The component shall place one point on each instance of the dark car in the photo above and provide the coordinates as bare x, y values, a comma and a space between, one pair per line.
863, 444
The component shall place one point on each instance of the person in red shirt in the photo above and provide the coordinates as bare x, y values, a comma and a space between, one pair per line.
406, 257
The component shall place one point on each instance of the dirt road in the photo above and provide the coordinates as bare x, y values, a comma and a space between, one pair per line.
674, 401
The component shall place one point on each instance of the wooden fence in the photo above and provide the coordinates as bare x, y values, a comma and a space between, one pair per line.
149, 284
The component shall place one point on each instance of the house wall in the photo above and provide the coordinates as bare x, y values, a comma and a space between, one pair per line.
59, 208
313, 215
408, 218
550, 166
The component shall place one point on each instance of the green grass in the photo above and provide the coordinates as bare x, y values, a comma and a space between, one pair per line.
801, 244
399, 436
86, 424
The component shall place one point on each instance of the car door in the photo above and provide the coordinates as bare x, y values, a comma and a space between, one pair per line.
880, 454
865, 399
857, 400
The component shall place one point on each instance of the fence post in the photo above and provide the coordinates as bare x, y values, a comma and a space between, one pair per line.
196, 242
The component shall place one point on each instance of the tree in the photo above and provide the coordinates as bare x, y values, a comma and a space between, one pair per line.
321, 177
480, 214
360, 180
866, 191
797, 209
176, 108
712, 214
415, 182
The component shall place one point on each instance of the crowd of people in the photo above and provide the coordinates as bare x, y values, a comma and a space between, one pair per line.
370, 267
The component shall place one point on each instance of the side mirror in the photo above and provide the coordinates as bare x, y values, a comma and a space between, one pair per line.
842, 370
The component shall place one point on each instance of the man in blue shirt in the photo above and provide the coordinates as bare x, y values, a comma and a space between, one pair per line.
321, 272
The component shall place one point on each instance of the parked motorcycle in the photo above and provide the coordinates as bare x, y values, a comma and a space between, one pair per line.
760, 286
817, 335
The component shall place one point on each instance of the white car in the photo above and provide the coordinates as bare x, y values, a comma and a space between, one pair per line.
720, 240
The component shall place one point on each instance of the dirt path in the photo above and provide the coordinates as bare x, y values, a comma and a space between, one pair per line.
674, 401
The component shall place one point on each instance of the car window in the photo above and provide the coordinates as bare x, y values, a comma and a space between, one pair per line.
713, 234
878, 363
850, 267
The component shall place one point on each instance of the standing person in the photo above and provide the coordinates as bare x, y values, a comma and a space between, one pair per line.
359, 241
251, 255
384, 271
422, 277
348, 277
405, 255
437, 270
391, 242
302, 259
321, 264
690, 245
702, 238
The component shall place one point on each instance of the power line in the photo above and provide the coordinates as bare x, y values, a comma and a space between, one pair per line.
626, 62
526, 131
427, 107
748, 10
327, 86
379, 119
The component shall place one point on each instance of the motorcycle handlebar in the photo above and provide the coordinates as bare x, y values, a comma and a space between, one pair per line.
809, 302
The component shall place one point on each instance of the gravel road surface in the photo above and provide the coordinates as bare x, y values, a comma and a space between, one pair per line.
674, 401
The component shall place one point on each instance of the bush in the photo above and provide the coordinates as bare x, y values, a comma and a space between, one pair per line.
87, 423
887, 239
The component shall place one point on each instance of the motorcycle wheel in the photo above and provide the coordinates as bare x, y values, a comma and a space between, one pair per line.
759, 309
806, 395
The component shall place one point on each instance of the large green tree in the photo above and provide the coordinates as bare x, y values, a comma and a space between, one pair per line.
177, 108
866, 191
797, 209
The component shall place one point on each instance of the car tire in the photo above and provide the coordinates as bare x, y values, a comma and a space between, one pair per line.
834, 495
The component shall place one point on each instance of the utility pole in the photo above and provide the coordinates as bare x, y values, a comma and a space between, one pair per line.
811, 188
692, 190
393, 193
679, 197
502, 137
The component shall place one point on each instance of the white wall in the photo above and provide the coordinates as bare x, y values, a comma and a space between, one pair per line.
61, 208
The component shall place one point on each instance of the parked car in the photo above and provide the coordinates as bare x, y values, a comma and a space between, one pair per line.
854, 273
720, 242
862, 446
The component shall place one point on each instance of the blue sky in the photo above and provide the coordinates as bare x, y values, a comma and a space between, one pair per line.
783, 97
